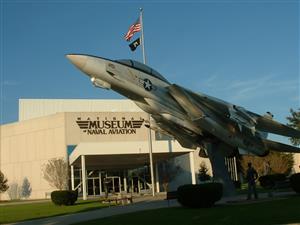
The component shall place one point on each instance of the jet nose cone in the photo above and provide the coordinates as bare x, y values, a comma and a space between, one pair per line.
78, 60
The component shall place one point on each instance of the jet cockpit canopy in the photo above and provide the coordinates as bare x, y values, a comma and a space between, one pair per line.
142, 67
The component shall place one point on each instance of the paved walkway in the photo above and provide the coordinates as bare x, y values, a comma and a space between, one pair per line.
142, 204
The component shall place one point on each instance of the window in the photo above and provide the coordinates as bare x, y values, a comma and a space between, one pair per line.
125, 62
158, 75
142, 67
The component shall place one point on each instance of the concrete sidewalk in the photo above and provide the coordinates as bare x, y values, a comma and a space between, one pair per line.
146, 203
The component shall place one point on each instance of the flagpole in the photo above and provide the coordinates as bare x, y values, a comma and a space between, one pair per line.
142, 36
149, 117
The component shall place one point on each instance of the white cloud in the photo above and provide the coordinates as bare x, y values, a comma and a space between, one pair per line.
238, 90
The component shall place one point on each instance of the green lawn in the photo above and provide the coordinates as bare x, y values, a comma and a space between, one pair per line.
269, 212
13, 213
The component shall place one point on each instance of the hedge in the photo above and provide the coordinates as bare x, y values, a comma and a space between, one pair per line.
199, 195
269, 181
295, 182
64, 197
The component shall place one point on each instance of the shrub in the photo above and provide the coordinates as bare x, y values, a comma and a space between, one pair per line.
64, 197
295, 182
269, 181
199, 195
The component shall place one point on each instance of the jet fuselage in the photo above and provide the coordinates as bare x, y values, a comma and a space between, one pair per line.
192, 118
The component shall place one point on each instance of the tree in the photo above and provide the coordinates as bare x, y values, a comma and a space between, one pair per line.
294, 122
14, 191
203, 176
56, 173
275, 162
3, 183
26, 188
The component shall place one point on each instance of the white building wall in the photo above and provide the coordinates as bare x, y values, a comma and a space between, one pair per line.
26, 146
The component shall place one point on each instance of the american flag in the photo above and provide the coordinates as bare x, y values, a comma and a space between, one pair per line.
136, 27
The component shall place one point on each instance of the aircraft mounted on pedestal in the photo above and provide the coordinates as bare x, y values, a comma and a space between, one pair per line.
193, 119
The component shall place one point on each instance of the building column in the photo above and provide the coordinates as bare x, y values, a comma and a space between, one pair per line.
192, 167
100, 183
72, 177
157, 178
125, 181
113, 184
83, 173
132, 188
139, 186
235, 169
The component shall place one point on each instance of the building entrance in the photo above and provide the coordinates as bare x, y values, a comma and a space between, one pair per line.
105, 182
113, 184
93, 186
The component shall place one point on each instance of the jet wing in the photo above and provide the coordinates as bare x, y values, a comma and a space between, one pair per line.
214, 104
187, 100
225, 110
185, 140
197, 104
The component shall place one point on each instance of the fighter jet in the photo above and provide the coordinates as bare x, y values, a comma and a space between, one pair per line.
193, 119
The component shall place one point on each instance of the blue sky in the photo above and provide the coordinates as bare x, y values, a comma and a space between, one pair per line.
245, 52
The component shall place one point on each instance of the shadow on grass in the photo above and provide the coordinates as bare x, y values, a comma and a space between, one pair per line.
84, 203
63, 214
83, 210
180, 215
276, 211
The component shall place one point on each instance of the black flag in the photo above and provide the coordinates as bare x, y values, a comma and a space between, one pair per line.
135, 44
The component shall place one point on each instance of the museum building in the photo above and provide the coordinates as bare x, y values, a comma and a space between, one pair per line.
102, 141
105, 143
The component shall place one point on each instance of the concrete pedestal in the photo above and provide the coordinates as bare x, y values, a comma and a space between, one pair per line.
220, 172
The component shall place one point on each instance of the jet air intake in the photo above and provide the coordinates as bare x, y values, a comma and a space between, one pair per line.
100, 83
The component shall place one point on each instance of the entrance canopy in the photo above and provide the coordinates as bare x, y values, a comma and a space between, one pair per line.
125, 155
